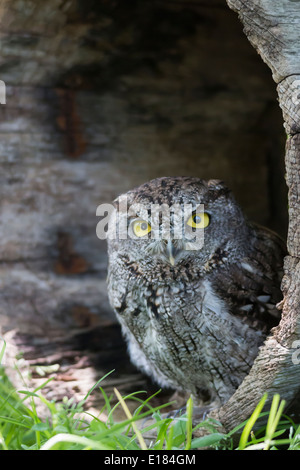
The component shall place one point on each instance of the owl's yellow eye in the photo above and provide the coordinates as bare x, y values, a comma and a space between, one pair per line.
141, 228
199, 220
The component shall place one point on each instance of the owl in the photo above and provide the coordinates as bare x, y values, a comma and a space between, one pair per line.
193, 284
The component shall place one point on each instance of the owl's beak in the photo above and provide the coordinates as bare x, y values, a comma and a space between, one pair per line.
171, 252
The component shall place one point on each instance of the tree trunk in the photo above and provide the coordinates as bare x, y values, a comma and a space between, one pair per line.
272, 26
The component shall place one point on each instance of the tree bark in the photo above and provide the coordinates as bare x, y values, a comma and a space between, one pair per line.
272, 27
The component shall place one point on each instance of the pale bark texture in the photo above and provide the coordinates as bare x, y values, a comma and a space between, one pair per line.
273, 28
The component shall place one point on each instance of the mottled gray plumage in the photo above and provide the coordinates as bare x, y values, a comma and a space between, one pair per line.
197, 325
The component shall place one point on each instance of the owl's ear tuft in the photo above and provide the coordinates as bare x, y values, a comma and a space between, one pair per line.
219, 187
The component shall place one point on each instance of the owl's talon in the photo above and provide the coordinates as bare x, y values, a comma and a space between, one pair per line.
194, 309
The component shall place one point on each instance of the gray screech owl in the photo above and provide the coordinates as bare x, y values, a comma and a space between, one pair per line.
194, 319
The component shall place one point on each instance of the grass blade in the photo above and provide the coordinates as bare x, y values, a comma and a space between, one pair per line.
273, 420
96, 385
72, 438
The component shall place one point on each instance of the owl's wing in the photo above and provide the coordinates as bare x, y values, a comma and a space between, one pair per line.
251, 286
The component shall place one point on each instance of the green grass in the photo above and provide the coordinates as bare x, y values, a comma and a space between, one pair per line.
66, 426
